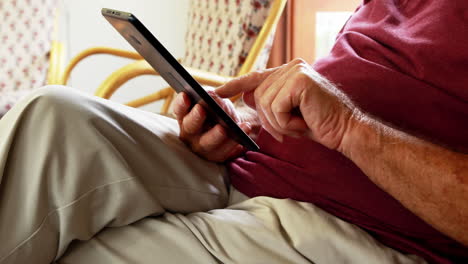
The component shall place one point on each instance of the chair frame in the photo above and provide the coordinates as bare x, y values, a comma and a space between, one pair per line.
141, 67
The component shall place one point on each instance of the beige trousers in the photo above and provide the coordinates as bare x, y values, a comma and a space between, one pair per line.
85, 180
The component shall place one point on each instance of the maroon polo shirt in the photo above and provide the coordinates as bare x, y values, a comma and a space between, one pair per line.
404, 62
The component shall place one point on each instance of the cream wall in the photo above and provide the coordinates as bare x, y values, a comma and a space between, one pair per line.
87, 28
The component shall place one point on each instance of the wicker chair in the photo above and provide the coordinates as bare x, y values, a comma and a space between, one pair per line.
225, 39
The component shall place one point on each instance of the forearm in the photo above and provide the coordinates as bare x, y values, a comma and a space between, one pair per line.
429, 180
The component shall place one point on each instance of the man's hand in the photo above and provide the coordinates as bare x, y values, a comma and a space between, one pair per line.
211, 143
294, 100
428, 179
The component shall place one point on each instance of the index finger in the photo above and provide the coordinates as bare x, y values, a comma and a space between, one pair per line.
244, 83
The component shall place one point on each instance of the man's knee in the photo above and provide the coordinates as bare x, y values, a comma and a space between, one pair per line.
50, 95
55, 99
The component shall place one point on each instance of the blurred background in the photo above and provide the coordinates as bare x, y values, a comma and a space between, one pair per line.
306, 29
87, 28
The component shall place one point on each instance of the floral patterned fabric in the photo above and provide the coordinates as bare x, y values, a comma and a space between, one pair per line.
25, 37
221, 33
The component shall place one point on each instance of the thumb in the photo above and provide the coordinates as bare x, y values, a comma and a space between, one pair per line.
244, 83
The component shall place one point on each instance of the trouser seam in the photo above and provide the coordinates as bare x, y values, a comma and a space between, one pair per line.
59, 209
81, 197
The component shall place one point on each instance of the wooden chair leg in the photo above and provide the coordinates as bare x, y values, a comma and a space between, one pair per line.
161, 94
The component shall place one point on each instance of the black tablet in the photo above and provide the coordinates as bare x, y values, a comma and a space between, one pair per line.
172, 71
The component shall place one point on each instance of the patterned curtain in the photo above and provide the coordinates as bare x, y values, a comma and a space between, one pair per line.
221, 33
25, 38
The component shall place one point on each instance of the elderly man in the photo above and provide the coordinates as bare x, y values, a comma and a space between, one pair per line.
369, 144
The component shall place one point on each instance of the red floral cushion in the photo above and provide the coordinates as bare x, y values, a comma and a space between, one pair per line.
25, 37
221, 33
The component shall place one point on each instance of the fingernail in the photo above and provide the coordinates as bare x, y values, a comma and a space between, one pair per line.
248, 128
199, 109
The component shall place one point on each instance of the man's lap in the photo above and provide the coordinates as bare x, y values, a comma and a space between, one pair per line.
72, 164
255, 230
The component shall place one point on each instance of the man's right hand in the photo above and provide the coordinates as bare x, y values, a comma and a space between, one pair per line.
211, 143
